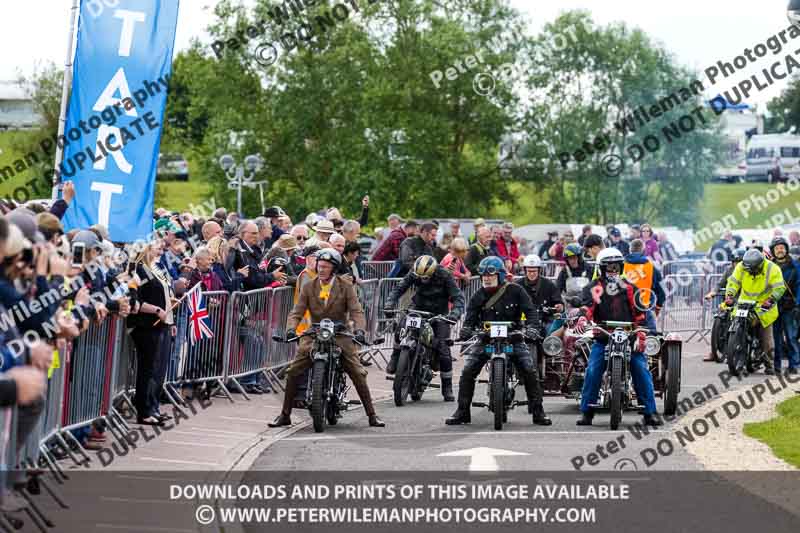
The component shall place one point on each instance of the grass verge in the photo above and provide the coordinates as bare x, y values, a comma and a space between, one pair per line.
781, 434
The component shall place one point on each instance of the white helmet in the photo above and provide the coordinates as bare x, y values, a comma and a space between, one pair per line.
532, 261
610, 255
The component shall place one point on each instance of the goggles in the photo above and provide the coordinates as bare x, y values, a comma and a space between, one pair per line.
488, 270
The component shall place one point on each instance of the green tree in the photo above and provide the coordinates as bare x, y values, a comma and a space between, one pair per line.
580, 92
323, 116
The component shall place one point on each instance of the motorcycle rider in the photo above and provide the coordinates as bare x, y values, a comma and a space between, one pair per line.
613, 298
575, 267
327, 296
542, 291
788, 309
761, 280
436, 290
497, 300
738, 255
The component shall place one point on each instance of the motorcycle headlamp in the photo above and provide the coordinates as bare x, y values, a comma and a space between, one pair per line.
552, 345
326, 330
652, 345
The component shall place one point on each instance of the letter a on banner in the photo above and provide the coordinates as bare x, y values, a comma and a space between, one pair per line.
123, 61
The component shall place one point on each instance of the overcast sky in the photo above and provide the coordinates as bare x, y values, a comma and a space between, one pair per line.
699, 33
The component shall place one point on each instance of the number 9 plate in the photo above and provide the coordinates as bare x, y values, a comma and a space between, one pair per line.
498, 331
413, 322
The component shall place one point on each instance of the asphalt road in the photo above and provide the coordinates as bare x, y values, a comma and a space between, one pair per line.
415, 435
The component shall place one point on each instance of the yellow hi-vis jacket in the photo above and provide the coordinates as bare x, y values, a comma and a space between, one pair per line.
766, 284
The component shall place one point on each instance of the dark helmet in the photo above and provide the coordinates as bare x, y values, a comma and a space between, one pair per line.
752, 261
738, 255
573, 249
275, 263
775, 242
794, 251
331, 256
492, 265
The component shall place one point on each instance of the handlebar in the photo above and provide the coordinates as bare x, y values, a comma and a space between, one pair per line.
314, 329
430, 317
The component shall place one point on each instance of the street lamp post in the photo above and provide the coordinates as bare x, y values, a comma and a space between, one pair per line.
237, 179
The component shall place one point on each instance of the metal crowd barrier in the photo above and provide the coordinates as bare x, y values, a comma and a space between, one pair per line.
551, 269
683, 311
376, 269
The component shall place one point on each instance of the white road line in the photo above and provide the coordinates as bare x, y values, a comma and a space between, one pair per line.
176, 461
463, 434
196, 444
143, 528
136, 500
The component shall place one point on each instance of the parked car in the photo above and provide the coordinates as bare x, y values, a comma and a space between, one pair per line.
772, 158
172, 166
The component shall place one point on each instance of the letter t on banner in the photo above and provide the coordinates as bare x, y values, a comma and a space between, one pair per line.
123, 61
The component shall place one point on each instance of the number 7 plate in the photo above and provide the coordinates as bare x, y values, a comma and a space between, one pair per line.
414, 322
498, 331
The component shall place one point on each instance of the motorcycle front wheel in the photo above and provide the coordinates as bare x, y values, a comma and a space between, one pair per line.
736, 351
319, 395
402, 378
616, 392
499, 392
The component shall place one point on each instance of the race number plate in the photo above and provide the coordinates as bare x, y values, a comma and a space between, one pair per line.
742, 313
498, 331
413, 322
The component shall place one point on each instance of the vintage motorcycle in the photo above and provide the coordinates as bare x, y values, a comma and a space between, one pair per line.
499, 339
327, 395
414, 373
743, 349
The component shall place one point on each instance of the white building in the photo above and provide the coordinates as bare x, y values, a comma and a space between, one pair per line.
16, 107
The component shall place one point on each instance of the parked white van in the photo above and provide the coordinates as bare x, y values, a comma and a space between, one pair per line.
772, 157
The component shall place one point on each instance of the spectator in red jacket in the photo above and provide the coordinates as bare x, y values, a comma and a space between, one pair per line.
507, 247
389, 249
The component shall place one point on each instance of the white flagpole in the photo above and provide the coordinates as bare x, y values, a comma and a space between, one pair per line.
65, 90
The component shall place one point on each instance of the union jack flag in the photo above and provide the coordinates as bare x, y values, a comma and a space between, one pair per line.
199, 326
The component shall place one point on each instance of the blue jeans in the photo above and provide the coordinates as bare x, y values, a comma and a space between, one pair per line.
557, 323
650, 320
642, 380
786, 324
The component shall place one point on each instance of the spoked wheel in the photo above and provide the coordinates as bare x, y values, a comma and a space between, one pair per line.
736, 351
402, 379
498, 392
717, 348
319, 398
616, 392
673, 379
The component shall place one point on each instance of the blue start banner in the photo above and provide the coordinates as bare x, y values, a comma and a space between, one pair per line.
112, 134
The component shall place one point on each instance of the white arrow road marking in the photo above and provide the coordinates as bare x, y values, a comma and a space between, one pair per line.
482, 459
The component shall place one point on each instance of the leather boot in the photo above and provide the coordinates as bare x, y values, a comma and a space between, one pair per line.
653, 420
391, 368
366, 398
466, 388
533, 390
376, 422
709, 358
284, 419
539, 418
585, 419
769, 363
447, 389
